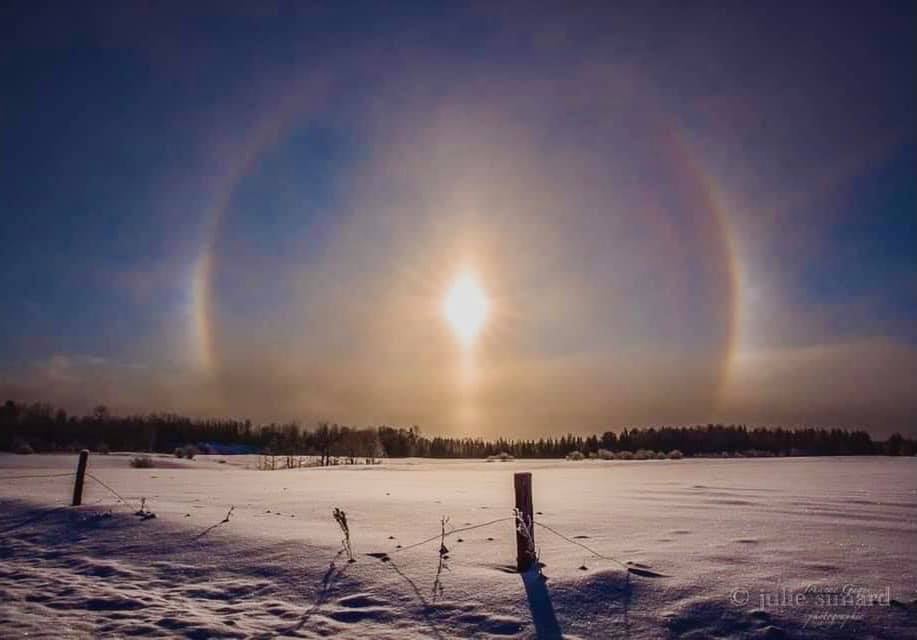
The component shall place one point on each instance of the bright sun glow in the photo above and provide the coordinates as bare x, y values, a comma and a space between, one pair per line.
466, 308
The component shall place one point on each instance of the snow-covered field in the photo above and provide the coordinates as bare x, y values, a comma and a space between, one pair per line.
758, 548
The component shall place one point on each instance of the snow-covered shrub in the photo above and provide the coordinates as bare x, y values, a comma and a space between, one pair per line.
660, 455
267, 461
142, 462
624, 455
22, 447
341, 518
675, 454
575, 455
644, 454
187, 451
443, 556
605, 454
143, 512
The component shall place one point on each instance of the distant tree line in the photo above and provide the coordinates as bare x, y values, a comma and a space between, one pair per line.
42, 428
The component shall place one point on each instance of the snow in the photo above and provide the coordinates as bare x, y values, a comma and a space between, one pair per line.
719, 548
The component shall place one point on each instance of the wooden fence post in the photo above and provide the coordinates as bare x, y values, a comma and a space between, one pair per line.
525, 543
80, 475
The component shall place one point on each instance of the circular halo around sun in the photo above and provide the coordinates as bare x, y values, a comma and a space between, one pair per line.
465, 308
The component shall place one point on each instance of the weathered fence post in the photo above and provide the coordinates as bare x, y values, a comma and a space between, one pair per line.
80, 475
525, 542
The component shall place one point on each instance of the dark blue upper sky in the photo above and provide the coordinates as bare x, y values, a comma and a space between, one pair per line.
681, 213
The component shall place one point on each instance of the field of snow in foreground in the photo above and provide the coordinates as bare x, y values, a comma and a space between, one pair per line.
747, 548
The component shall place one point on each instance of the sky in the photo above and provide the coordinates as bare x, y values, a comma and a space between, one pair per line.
676, 214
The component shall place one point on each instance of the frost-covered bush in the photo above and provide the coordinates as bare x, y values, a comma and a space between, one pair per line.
188, 451
22, 447
341, 518
575, 455
142, 462
675, 454
605, 454
624, 455
644, 454
660, 455
501, 457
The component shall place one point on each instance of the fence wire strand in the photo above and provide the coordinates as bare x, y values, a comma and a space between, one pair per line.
580, 544
439, 535
113, 492
32, 476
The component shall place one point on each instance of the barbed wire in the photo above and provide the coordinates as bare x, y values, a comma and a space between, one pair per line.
439, 535
113, 492
580, 544
33, 476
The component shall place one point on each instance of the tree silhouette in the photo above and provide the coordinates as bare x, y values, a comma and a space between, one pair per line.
43, 428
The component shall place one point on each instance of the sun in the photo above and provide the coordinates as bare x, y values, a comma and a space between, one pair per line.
465, 308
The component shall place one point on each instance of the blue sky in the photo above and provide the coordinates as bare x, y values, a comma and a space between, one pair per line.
680, 214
